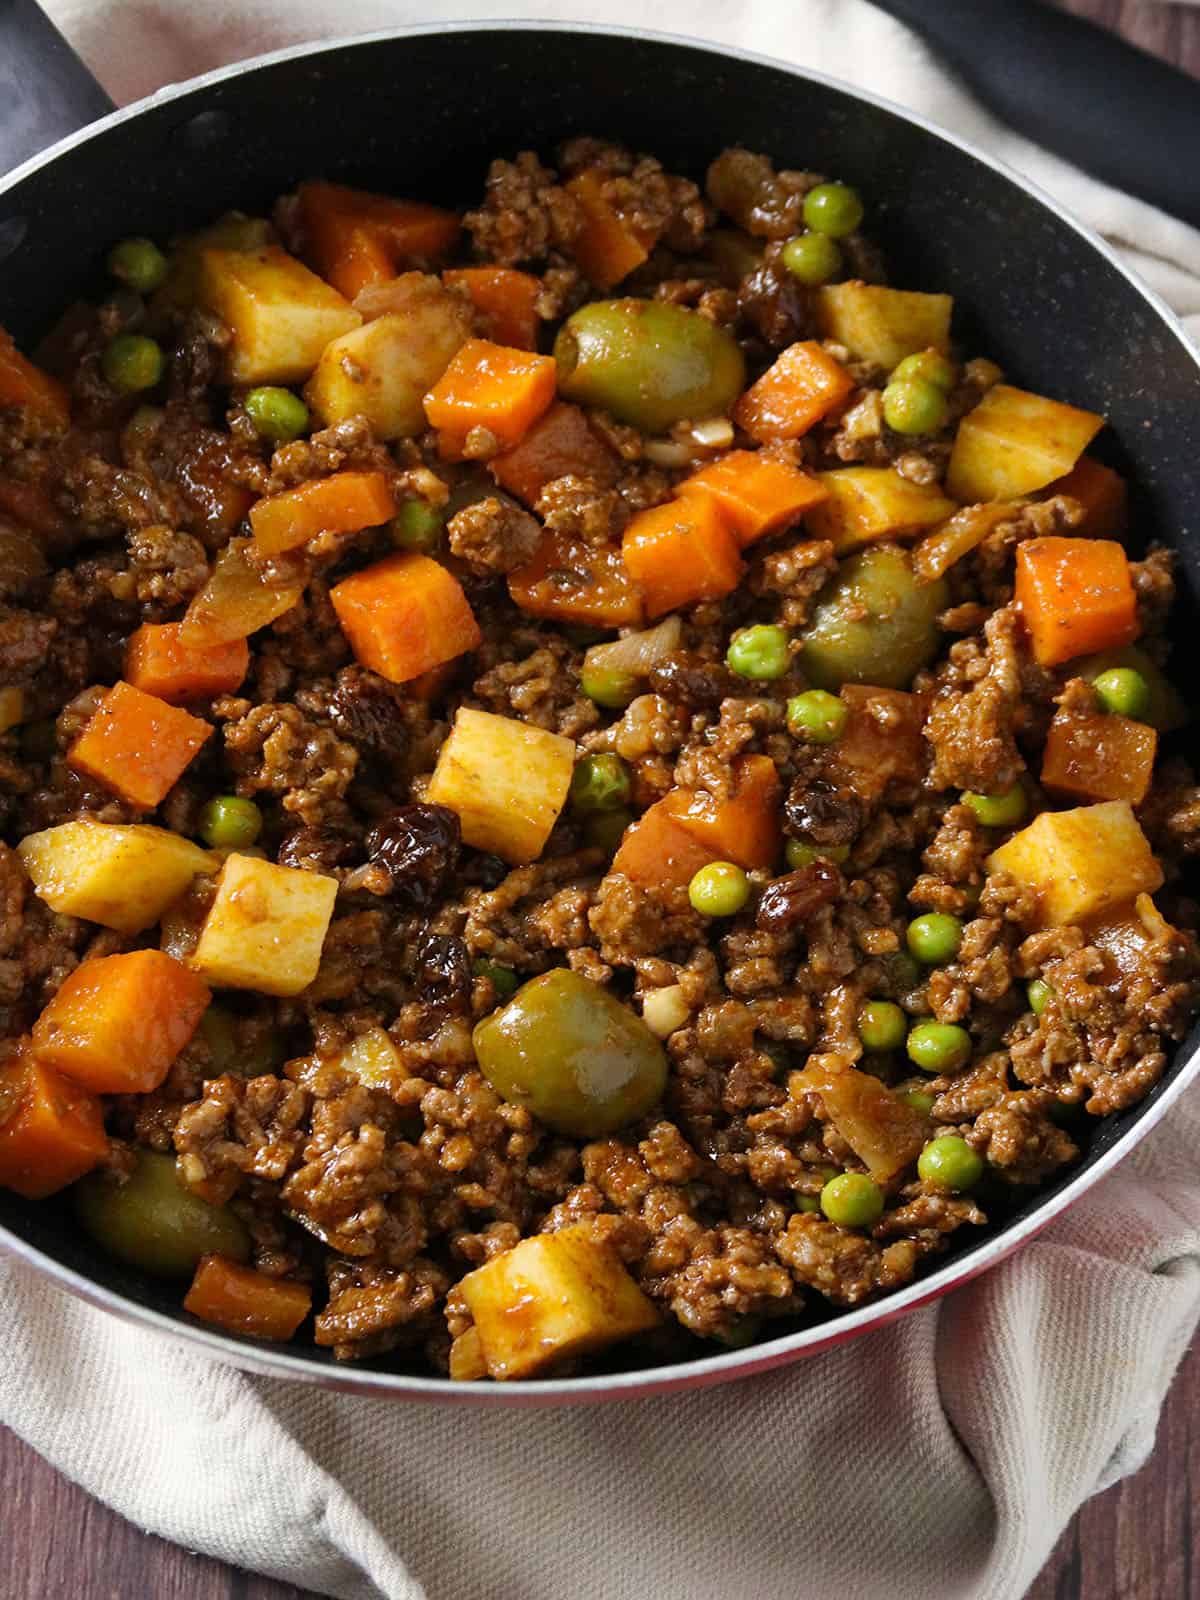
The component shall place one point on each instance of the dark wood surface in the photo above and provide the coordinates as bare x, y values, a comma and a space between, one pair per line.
1133, 1543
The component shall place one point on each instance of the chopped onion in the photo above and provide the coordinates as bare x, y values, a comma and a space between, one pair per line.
238, 599
667, 453
664, 1010
715, 434
637, 653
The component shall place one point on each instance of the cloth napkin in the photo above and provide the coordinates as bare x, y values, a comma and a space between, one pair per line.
941, 1456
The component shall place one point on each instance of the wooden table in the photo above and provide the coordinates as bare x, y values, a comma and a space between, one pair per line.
1133, 1543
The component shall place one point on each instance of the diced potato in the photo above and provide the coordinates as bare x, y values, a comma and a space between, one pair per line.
1015, 442
265, 929
506, 781
553, 1296
1128, 935
884, 1131
232, 232
884, 325
12, 707
1090, 756
1081, 862
374, 1061
280, 314
382, 370
123, 877
869, 503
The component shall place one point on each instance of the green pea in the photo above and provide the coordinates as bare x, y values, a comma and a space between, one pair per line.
798, 854
1123, 692
882, 1025
939, 1047
1003, 810
813, 258
930, 366
934, 938
504, 979
277, 414
604, 830
152, 1222
920, 1100
139, 263
131, 362
852, 1200
230, 823
949, 1162
608, 687
913, 405
875, 623
599, 783
649, 363
817, 716
1038, 994
720, 889
833, 208
759, 652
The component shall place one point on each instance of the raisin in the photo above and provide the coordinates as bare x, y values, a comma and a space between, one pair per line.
774, 303
443, 971
819, 813
420, 846
317, 849
793, 899
365, 709
687, 680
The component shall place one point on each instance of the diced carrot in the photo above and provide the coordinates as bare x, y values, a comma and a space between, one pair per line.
489, 386
572, 582
22, 384
51, 1130
745, 827
883, 738
354, 238
507, 298
681, 552
241, 1300
657, 849
1099, 757
32, 505
606, 247
804, 385
559, 443
405, 615
1103, 494
118, 1022
137, 744
756, 493
1076, 596
343, 503
158, 662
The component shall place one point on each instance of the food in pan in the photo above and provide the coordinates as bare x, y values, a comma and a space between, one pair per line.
581, 783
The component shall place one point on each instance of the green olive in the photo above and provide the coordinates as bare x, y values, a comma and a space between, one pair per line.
874, 623
571, 1053
152, 1222
649, 363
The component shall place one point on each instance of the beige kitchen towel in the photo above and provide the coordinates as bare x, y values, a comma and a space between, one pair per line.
940, 1457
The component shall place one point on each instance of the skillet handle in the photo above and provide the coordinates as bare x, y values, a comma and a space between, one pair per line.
1120, 114
46, 92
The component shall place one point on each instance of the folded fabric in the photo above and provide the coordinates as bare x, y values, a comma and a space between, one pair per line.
941, 1456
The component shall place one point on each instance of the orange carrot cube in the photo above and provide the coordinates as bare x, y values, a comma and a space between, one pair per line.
558, 443
681, 552
404, 616
158, 662
51, 1130
22, 384
804, 385
1103, 494
572, 582
1098, 757
745, 827
757, 494
1076, 596
507, 299
658, 849
883, 739
606, 247
117, 1023
32, 505
137, 745
344, 503
493, 387
241, 1300
354, 238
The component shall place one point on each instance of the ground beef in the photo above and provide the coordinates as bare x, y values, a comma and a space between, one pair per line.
494, 535
972, 731
525, 213
275, 749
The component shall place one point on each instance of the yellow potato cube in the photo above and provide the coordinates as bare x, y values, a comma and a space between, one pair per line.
1015, 442
374, 1061
280, 314
868, 503
1081, 862
506, 781
12, 707
384, 369
265, 928
231, 232
552, 1296
884, 325
123, 877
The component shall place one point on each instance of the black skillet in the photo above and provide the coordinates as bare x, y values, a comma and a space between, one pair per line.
421, 113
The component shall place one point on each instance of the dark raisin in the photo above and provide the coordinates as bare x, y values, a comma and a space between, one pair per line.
365, 709
420, 846
443, 971
482, 870
819, 813
793, 899
774, 303
689, 681
318, 849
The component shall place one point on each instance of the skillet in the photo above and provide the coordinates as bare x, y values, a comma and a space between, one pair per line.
1032, 288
